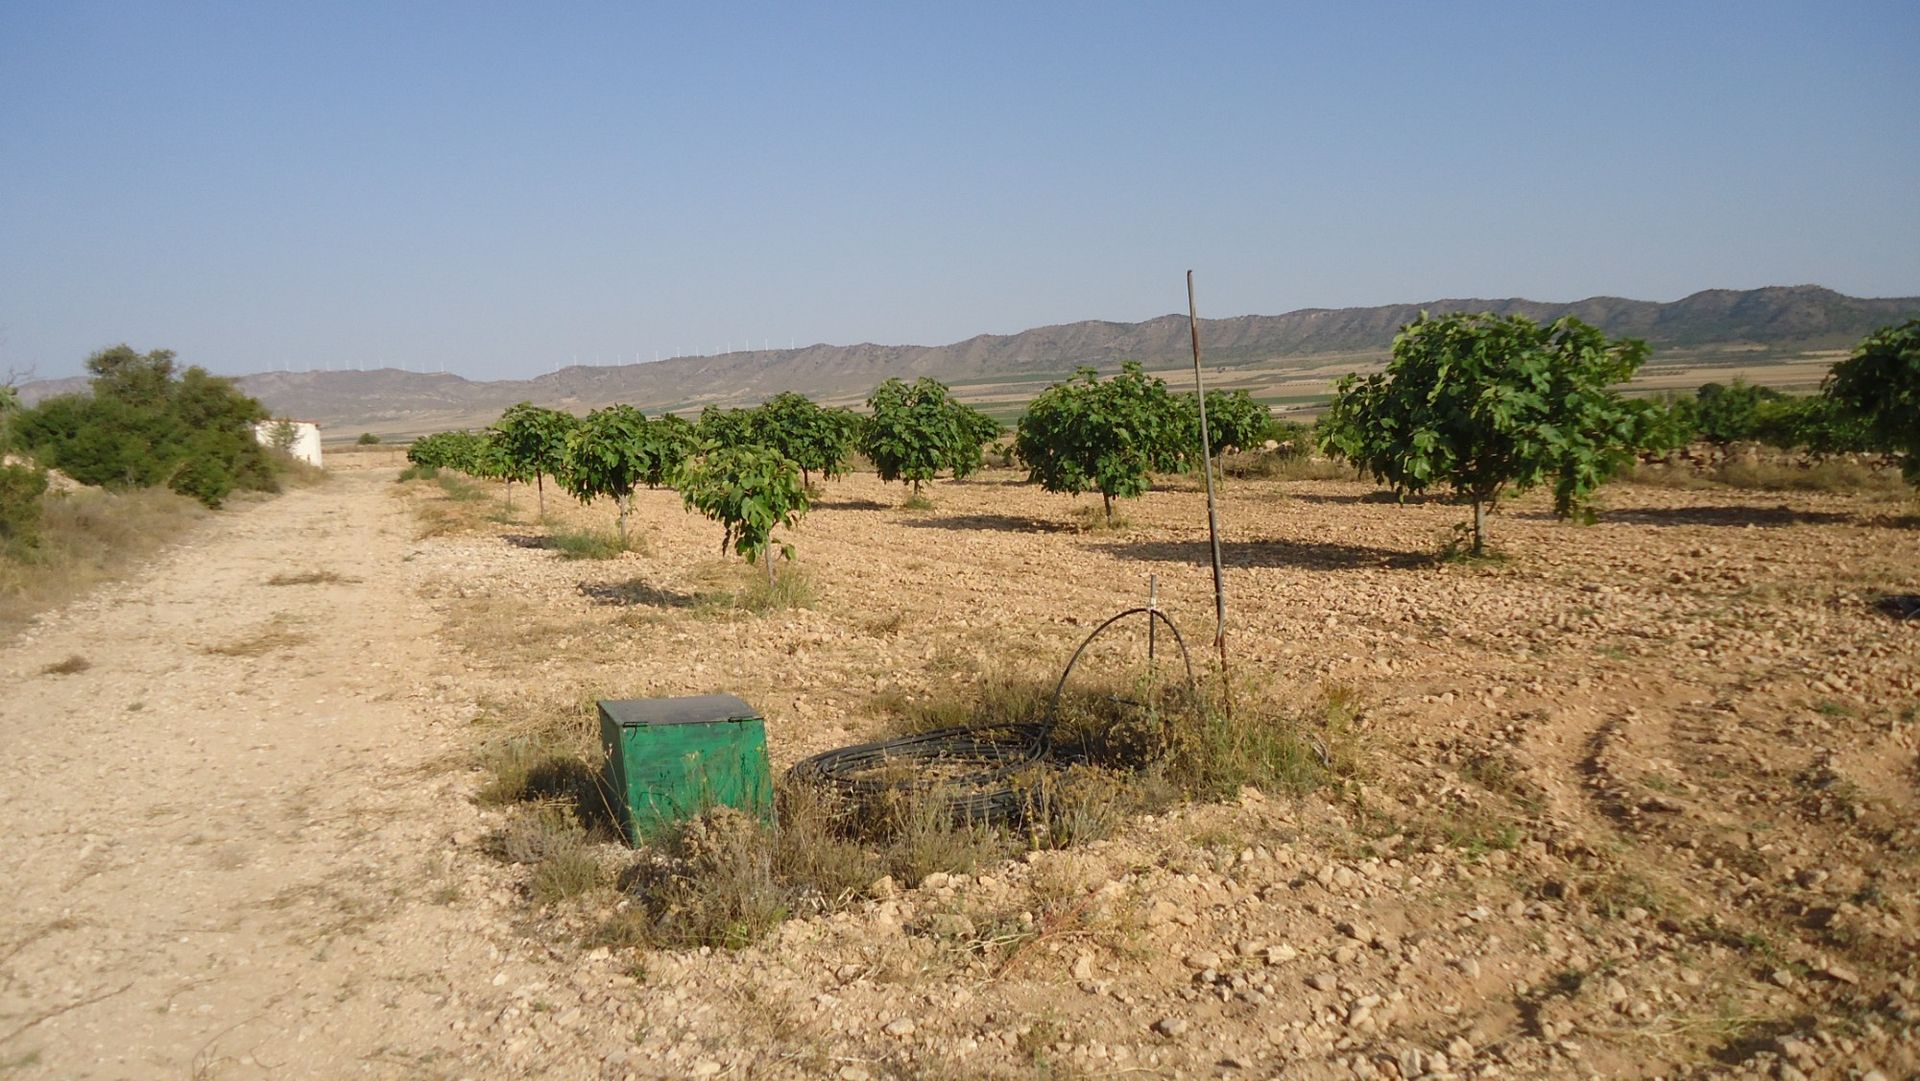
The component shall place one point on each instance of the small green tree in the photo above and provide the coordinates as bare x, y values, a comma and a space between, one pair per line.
368, 439
818, 440
915, 431
974, 432
1725, 413
1089, 435
1234, 421
608, 455
751, 490
490, 461
726, 427
1483, 403
459, 450
1880, 385
534, 442
671, 441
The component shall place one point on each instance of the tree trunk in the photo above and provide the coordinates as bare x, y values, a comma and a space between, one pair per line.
769, 559
1108, 500
540, 486
1479, 525
509, 495
626, 501
916, 486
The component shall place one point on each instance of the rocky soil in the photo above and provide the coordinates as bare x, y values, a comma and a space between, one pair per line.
1638, 799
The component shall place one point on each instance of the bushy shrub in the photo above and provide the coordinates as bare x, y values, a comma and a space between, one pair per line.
21, 489
144, 426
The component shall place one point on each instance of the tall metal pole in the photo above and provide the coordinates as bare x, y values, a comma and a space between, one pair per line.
1213, 517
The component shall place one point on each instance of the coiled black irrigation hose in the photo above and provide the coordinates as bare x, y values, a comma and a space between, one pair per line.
1904, 607
969, 771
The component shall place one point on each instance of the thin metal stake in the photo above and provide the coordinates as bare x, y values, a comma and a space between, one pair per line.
1153, 605
1213, 517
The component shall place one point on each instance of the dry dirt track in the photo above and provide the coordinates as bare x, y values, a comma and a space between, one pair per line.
224, 836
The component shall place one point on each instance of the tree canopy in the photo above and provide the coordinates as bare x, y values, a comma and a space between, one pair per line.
1879, 386
817, 440
533, 445
1485, 403
750, 490
608, 455
1089, 435
917, 430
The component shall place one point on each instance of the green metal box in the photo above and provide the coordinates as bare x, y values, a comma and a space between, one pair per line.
668, 759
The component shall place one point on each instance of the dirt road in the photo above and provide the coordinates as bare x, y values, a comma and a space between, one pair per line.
228, 836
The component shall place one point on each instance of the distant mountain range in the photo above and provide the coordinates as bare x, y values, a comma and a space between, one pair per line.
387, 401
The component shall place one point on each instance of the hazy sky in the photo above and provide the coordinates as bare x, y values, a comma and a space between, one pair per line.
500, 188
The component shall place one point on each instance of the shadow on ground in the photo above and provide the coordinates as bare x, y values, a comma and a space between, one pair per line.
1380, 495
1003, 523
848, 504
1313, 555
1726, 516
528, 540
636, 593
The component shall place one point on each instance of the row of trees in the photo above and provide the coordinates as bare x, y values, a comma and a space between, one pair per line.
1478, 403
1485, 404
749, 469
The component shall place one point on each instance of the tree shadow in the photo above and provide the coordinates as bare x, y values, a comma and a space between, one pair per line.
1771, 517
1313, 555
529, 540
1004, 523
848, 504
636, 593
1378, 496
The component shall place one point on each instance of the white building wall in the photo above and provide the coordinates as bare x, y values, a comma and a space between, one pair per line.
306, 438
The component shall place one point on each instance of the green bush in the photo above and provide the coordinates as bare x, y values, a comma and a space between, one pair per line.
368, 439
21, 489
144, 426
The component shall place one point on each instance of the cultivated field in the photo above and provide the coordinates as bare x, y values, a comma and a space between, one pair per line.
1638, 799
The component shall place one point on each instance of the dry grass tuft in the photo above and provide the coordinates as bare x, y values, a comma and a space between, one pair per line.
88, 537
310, 578
1833, 475
1095, 520
71, 666
275, 635
595, 544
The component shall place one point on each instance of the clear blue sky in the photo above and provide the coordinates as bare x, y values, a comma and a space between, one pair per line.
499, 188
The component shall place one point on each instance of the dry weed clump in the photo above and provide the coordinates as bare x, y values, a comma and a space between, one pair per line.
1284, 464
725, 879
71, 666
595, 544
87, 537
444, 503
273, 636
546, 752
1834, 475
548, 837
310, 578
